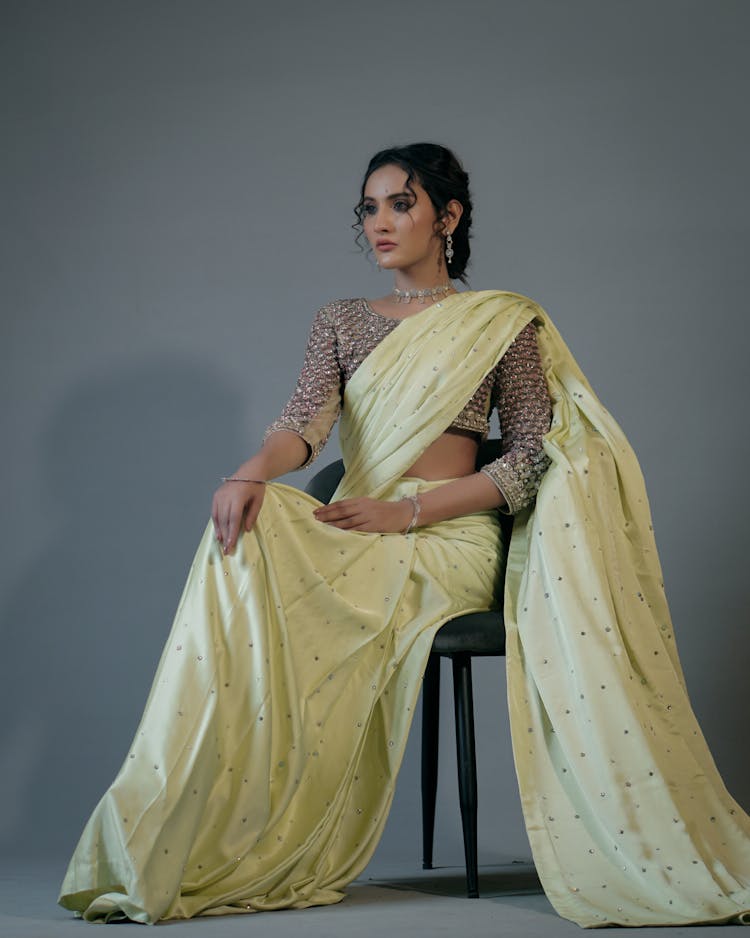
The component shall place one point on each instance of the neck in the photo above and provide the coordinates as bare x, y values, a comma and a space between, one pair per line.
421, 276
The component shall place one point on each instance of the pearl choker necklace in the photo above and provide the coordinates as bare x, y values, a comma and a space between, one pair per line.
406, 296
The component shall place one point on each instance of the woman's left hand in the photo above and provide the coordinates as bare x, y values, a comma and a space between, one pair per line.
367, 514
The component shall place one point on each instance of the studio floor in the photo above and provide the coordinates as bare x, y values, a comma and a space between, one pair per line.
396, 902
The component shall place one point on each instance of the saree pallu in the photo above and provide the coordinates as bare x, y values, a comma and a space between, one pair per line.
628, 818
263, 769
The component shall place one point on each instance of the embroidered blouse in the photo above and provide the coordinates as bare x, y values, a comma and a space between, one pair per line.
344, 333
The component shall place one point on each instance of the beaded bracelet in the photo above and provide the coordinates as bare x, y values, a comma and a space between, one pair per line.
414, 499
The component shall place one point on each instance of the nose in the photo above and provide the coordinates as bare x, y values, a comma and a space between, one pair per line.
381, 220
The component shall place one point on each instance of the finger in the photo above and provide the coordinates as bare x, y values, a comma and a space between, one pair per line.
252, 512
218, 519
335, 512
327, 511
250, 516
235, 520
215, 519
226, 524
355, 522
346, 505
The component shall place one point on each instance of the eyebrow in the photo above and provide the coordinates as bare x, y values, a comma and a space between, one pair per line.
397, 195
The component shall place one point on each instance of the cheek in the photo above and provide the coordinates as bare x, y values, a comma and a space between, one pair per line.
425, 229
408, 228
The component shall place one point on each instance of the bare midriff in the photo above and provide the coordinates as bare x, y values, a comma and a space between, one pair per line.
452, 455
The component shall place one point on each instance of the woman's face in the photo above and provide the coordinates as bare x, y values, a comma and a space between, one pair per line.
399, 224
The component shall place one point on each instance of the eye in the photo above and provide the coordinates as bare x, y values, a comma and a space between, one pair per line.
401, 205
368, 209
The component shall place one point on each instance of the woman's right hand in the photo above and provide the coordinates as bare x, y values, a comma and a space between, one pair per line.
236, 503
233, 504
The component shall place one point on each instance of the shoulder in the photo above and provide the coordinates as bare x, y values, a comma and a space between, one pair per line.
540, 314
506, 293
336, 311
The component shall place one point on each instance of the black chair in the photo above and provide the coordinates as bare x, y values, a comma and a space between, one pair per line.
460, 639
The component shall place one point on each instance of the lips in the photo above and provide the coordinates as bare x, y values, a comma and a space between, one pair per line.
384, 245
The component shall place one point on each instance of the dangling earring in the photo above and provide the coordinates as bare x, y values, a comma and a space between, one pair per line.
449, 247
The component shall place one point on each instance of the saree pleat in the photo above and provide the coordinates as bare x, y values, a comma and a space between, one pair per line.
263, 769
262, 772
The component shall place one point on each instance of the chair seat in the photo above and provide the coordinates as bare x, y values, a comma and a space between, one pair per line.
476, 633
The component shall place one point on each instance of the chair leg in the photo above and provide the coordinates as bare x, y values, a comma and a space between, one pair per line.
430, 734
467, 766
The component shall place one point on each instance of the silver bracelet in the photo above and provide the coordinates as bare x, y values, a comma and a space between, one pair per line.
235, 479
414, 499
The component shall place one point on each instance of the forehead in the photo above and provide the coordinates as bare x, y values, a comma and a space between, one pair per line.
388, 180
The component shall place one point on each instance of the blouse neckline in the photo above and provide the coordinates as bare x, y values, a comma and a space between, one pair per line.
373, 312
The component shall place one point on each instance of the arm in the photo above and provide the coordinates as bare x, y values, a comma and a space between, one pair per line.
525, 410
314, 407
294, 440
472, 493
523, 403
461, 497
509, 483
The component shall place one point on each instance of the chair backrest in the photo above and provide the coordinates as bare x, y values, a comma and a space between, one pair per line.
323, 483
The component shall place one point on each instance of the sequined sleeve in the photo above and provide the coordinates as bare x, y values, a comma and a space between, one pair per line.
314, 407
525, 410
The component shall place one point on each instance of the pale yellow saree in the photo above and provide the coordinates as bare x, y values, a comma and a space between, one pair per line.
263, 769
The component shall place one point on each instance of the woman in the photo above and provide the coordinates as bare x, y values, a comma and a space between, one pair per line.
263, 769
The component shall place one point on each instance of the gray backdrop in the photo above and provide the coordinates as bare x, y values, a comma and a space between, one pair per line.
178, 182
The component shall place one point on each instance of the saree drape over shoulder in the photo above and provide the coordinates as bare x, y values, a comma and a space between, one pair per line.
262, 771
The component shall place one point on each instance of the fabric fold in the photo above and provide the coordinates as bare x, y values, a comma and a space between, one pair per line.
414, 382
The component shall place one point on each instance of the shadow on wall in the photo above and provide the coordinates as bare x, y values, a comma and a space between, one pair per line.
130, 463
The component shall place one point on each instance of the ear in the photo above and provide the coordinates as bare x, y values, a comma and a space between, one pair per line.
452, 215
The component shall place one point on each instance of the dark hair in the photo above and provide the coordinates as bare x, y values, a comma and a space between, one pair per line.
443, 178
